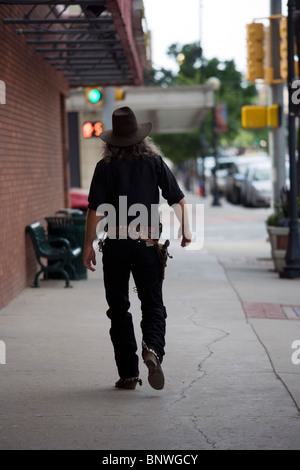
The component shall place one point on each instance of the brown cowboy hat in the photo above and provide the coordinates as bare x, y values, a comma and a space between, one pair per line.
126, 131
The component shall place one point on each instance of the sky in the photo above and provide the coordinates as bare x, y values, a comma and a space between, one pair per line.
220, 25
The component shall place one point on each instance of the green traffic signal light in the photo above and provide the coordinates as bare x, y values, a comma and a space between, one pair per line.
95, 95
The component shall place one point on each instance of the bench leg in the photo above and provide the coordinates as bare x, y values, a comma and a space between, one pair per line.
66, 276
61, 270
36, 279
72, 270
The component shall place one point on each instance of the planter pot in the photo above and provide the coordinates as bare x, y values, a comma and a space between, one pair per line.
278, 239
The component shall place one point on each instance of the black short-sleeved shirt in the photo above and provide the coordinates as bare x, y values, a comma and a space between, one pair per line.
139, 180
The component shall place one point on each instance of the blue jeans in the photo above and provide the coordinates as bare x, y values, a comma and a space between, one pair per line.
120, 259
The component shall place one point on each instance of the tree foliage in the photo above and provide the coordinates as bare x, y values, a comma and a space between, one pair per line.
234, 91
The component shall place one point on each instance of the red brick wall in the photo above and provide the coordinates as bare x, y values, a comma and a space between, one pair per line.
33, 169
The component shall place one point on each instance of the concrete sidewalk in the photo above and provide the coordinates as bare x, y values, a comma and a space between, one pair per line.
230, 380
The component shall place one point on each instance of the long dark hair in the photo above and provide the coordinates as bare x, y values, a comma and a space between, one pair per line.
145, 148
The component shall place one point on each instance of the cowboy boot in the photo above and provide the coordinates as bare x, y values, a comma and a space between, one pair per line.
155, 375
128, 383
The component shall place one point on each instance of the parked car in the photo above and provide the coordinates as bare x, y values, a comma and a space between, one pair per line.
258, 185
79, 198
207, 163
237, 175
256, 189
224, 166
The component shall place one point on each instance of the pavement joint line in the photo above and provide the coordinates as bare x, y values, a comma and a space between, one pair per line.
240, 260
291, 312
297, 311
269, 310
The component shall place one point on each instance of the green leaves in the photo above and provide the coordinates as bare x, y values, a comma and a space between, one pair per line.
235, 91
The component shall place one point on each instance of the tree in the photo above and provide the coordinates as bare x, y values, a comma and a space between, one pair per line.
234, 91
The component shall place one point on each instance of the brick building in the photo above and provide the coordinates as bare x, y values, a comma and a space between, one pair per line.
34, 168
33, 153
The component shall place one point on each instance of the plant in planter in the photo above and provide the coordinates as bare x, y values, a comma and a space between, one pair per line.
278, 228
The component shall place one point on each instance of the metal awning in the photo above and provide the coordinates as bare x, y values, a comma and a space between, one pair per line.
171, 110
93, 43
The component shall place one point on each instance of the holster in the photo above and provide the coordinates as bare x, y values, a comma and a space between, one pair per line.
163, 254
162, 249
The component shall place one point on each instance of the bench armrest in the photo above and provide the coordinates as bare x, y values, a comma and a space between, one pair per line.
59, 241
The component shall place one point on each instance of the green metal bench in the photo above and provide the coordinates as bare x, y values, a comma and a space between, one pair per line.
56, 250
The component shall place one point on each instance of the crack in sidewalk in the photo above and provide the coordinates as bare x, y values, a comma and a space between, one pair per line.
208, 346
208, 441
278, 377
200, 371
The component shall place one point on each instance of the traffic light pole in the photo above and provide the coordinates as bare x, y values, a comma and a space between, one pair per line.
277, 135
216, 198
292, 268
215, 83
108, 107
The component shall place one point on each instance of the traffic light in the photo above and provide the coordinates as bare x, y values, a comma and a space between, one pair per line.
91, 129
283, 32
274, 115
257, 117
255, 51
94, 95
254, 117
283, 49
119, 94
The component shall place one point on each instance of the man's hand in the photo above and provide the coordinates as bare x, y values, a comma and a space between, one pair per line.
186, 237
89, 258
185, 241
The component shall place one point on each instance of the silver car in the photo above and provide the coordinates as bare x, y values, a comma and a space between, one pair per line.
258, 186
236, 177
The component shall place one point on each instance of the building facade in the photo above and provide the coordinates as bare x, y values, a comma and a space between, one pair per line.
34, 175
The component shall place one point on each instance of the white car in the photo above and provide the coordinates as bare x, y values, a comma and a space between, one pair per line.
237, 175
257, 190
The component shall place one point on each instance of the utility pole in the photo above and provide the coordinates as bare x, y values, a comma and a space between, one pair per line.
108, 107
277, 136
292, 268
216, 195
215, 83
202, 127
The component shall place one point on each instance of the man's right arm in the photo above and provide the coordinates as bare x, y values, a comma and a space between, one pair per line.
89, 256
181, 212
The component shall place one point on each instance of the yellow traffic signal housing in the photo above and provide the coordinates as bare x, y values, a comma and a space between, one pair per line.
283, 32
254, 117
119, 94
283, 48
273, 115
255, 51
